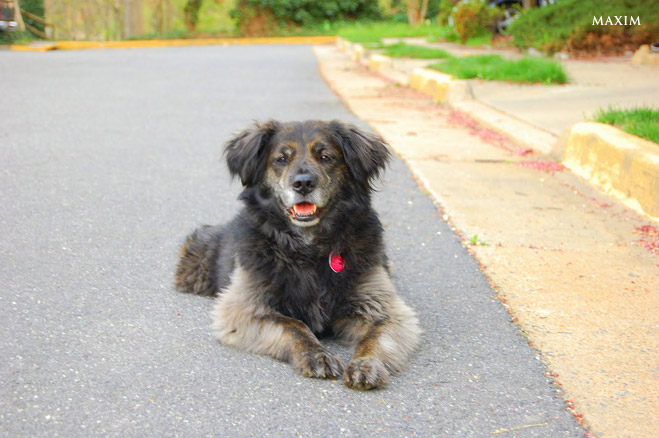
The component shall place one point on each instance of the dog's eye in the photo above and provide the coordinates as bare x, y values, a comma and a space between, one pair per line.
325, 158
281, 160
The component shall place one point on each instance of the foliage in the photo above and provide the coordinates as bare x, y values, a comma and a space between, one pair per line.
401, 50
473, 18
16, 37
494, 67
35, 7
191, 13
445, 11
568, 25
642, 121
300, 13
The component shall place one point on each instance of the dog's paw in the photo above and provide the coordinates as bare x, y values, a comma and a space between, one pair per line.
319, 364
366, 373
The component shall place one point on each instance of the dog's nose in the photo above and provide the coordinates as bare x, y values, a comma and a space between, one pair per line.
304, 183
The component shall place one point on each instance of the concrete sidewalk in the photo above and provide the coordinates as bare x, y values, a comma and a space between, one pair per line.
572, 265
593, 84
550, 118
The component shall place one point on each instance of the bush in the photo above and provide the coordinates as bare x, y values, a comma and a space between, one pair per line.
35, 7
272, 15
473, 18
16, 37
568, 25
445, 11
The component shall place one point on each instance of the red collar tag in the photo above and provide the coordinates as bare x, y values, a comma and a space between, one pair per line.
336, 262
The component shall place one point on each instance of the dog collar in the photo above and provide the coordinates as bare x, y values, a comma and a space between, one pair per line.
336, 262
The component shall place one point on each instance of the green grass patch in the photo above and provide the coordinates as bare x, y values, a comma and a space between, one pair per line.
16, 37
402, 50
373, 32
480, 41
642, 121
496, 68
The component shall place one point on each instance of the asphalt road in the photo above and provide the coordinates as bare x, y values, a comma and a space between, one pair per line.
108, 159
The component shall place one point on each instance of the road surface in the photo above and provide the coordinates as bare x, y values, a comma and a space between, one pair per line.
109, 158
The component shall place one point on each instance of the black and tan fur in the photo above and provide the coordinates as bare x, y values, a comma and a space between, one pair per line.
269, 266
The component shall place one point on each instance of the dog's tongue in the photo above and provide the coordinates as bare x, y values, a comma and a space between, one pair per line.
305, 208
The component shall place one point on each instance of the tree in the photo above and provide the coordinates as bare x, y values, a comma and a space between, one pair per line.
191, 11
416, 11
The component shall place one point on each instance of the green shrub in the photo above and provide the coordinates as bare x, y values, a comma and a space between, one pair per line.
16, 37
568, 25
473, 18
271, 15
445, 11
35, 7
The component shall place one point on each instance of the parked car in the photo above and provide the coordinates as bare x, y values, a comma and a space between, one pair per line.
7, 16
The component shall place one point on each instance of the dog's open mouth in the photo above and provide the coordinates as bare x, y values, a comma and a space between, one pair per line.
303, 212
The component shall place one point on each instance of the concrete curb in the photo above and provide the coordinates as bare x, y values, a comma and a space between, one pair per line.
33, 48
440, 86
525, 134
432, 83
621, 164
134, 44
377, 62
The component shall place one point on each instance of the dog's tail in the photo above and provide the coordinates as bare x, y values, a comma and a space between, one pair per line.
197, 265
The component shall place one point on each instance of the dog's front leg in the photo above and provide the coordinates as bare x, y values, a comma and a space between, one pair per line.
385, 329
242, 320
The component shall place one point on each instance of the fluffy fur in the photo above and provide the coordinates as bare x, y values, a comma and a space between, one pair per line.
307, 188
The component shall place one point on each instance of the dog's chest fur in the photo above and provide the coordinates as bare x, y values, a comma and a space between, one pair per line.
298, 280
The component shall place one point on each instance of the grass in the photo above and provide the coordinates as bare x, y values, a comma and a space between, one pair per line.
480, 41
402, 50
16, 37
642, 121
373, 32
496, 68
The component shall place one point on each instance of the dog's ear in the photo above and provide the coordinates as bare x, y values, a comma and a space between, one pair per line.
366, 154
247, 152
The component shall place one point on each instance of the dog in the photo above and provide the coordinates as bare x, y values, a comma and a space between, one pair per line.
304, 258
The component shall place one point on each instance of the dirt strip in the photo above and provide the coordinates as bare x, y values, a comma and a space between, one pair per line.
578, 271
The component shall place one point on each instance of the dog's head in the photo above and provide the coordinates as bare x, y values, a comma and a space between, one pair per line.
307, 166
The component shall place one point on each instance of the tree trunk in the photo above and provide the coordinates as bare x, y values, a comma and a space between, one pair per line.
416, 13
424, 9
132, 18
